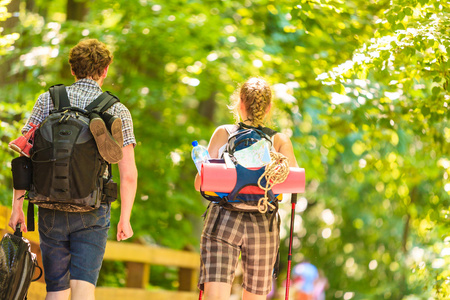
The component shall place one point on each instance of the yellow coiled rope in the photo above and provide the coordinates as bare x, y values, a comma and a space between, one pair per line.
276, 172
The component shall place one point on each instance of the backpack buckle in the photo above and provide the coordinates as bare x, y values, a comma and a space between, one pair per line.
65, 117
230, 161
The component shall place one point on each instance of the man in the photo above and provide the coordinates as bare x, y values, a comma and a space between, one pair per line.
73, 244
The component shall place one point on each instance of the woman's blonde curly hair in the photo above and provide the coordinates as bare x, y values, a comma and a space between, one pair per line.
256, 96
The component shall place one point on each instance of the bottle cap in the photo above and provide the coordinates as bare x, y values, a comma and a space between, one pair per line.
195, 143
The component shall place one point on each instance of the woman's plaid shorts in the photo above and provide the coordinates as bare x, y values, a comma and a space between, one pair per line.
237, 233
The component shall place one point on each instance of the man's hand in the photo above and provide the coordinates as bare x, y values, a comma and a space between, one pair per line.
124, 230
17, 217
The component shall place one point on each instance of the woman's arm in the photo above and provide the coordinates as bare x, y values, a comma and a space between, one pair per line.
218, 139
283, 145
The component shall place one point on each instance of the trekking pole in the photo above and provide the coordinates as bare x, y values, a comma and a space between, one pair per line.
288, 278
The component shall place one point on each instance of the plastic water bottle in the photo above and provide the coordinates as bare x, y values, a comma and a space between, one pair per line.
199, 155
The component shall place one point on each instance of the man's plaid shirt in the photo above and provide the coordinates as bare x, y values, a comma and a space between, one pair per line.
81, 94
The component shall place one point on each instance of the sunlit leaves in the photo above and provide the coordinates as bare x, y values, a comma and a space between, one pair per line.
4, 14
400, 64
361, 87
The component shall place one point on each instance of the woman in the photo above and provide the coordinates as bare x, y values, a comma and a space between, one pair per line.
241, 233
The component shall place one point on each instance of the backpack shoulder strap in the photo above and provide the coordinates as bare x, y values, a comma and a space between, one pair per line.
231, 128
266, 130
263, 131
58, 94
102, 102
269, 132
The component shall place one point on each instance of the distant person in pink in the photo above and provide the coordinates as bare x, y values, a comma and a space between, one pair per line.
307, 282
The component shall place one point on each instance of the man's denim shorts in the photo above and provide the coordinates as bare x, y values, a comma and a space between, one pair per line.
72, 245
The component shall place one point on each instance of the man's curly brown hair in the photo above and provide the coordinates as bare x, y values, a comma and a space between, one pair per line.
89, 58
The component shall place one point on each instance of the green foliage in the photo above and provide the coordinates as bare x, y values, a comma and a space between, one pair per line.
362, 88
395, 86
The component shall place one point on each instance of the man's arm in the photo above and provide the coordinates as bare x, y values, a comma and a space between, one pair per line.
128, 185
37, 116
17, 215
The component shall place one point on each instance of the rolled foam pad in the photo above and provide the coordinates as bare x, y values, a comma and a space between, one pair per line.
216, 177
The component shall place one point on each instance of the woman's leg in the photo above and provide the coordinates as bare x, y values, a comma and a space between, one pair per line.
220, 251
259, 254
250, 296
217, 291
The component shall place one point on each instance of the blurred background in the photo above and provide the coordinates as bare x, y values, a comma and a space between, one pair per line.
360, 86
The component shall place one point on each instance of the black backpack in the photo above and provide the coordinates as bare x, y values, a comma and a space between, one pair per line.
238, 199
66, 164
17, 266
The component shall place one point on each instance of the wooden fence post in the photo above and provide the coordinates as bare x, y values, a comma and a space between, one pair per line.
187, 279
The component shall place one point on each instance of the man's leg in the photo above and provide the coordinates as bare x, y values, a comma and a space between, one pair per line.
60, 295
82, 290
87, 247
55, 253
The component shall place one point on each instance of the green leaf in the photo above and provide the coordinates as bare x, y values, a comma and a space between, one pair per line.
408, 11
436, 90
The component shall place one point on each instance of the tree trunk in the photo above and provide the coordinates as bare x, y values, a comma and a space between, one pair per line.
9, 25
207, 108
76, 10
406, 229
30, 5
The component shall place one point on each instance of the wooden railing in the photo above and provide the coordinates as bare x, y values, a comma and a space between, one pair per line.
138, 259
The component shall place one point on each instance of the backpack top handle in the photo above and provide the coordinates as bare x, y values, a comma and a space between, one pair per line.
59, 96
